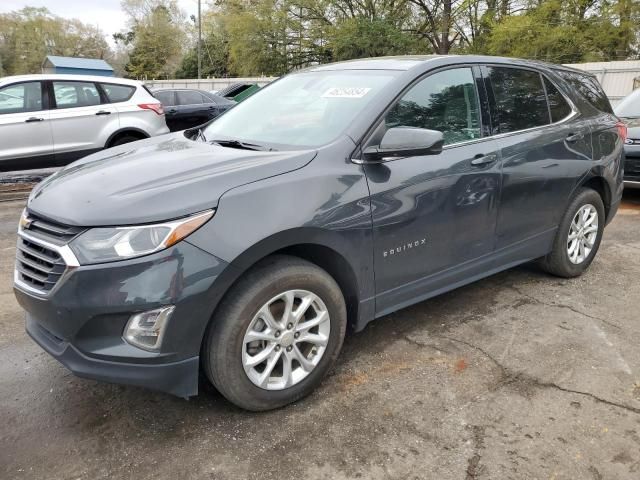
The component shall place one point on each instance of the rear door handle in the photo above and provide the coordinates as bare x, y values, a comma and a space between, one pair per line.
482, 159
103, 112
574, 137
34, 119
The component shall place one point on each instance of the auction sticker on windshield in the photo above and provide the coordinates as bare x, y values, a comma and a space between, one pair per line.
346, 92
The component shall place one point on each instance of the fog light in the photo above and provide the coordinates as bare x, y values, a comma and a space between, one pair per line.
145, 330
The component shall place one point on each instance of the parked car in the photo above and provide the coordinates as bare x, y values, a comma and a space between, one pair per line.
191, 108
239, 91
49, 120
334, 196
629, 111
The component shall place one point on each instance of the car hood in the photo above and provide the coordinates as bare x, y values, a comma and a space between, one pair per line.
153, 180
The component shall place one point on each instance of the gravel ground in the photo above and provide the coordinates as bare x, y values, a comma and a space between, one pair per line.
521, 376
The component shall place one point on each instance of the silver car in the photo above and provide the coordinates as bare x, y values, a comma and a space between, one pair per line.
49, 120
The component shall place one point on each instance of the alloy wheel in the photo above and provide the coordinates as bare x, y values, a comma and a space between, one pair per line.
582, 234
285, 340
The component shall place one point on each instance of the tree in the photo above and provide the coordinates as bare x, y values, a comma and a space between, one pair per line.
155, 39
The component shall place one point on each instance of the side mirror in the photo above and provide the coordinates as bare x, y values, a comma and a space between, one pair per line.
401, 142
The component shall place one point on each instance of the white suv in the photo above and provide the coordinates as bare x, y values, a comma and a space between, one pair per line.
48, 120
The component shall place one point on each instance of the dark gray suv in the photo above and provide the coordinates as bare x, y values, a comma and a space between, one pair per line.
334, 196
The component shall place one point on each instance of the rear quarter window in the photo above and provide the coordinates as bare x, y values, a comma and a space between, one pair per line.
117, 93
558, 105
588, 88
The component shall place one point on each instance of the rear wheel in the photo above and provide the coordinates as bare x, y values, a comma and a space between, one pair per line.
578, 237
276, 334
121, 140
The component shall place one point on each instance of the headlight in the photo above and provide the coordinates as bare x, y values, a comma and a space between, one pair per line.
107, 244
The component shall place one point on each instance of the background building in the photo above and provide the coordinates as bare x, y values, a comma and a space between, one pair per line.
77, 66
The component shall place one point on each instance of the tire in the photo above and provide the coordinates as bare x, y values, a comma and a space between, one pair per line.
123, 139
225, 347
558, 262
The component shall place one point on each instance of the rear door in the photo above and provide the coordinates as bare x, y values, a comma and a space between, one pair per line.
80, 121
434, 216
539, 141
25, 129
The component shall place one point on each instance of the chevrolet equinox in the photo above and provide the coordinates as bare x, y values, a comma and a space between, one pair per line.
338, 194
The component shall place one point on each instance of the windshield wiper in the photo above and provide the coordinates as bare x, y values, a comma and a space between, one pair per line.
240, 145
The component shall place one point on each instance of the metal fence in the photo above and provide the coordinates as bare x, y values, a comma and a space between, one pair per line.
207, 83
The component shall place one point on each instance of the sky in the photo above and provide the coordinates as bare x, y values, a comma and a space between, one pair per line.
105, 14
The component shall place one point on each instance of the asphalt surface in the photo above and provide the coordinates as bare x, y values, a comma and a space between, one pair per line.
521, 376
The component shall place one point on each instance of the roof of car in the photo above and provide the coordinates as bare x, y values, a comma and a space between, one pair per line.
56, 76
407, 62
76, 62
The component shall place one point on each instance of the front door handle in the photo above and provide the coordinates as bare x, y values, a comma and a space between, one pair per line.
482, 159
574, 137
103, 112
34, 119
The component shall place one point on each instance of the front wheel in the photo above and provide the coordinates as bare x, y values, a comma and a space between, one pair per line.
578, 237
276, 334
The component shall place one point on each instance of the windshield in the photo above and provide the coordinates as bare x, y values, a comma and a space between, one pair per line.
629, 107
304, 109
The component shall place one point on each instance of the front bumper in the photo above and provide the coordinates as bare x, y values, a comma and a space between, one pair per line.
178, 378
632, 163
81, 322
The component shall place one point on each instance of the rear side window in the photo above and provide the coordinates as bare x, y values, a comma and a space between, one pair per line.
20, 98
186, 97
558, 105
166, 98
75, 94
589, 88
445, 101
520, 99
118, 93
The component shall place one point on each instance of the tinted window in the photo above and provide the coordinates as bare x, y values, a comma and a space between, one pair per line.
117, 93
186, 97
558, 106
24, 97
166, 98
445, 101
75, 94
589, 88
520, 99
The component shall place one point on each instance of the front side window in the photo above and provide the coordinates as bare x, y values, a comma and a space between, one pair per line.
302, 109
75, 94
186, 97
20, 98
445, 101
117, 93
558, 105
520, 99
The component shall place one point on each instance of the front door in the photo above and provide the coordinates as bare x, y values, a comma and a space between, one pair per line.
25, 130
434, 216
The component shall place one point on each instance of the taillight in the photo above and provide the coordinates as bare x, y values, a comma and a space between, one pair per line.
156, 107
622, 130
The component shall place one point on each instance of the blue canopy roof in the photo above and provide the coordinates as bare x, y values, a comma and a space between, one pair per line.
73, 62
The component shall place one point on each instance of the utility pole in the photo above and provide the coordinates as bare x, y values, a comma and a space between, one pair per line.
199, 40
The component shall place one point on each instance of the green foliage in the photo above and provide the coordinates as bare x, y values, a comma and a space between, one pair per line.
155, 39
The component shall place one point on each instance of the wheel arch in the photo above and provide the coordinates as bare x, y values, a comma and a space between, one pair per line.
600, 185
141, 134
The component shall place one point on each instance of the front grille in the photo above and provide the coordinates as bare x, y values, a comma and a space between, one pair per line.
38, 266
632, 168
51, 231
40, 257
